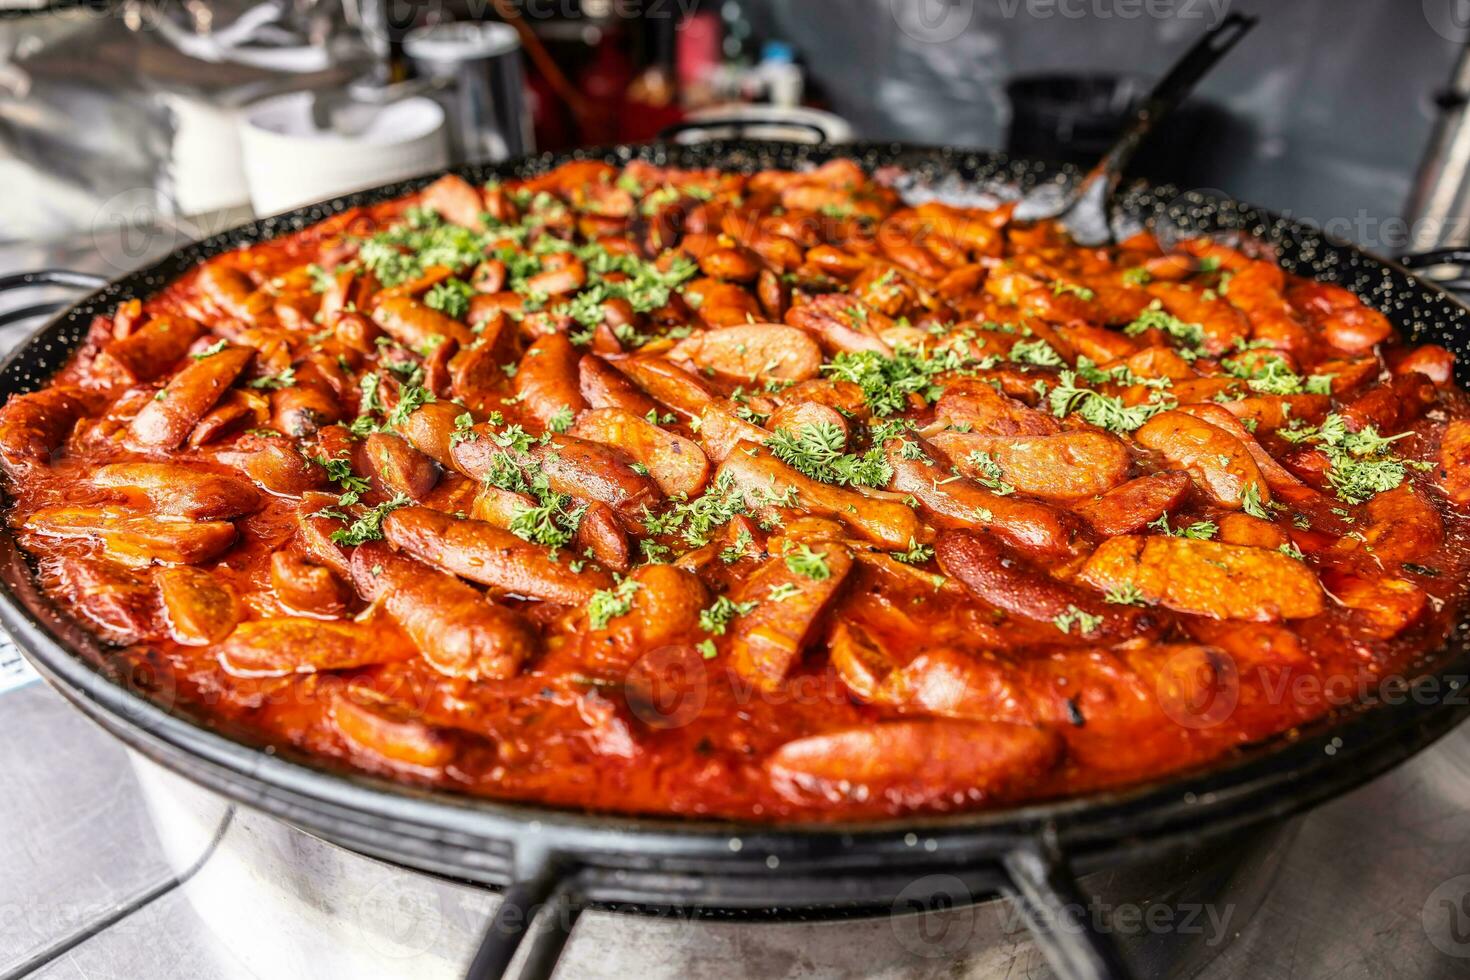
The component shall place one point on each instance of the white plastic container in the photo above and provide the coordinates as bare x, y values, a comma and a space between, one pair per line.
290, 162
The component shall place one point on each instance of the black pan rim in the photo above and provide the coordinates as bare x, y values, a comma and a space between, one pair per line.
1262, 783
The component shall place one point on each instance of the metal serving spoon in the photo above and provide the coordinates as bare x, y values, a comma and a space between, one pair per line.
1084, 211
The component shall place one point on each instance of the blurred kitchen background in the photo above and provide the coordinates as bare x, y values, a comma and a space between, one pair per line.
198, 113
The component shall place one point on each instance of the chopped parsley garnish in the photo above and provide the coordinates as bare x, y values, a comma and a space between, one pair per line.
410, 399
368, 527
1060, 286
917, 554
1124, 594
450, 297
562, 420
321, 279
1037, 352
399, 254
989, 473
1361, 465
804, 561
211, 350
1084, 621
1270, 374
1250, 502
1199, 531
552, 521
734, 552
815, 449
1154, 318
1104, 411
463, 430
695, 520
274, 382
716, 619
339, 471
782, 592
887, 382
608, 604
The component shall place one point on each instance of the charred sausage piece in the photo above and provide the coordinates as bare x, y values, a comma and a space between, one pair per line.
675, 463
120, 601
181, 490
200, 608
664, 604
418, 327
433, 430
315, 530
35, 425
231, 290
1454, 461
306, 587
1136, 504
165, 421
753, 352
459, 631
547, 381
486, 554
1402, 526
986, 411
915, 762
301, 410
603, 386
721, 432
1006, 582
1220, 464
766, 481
149, 351
453, 199
600, 535
670, 384
398, 468
279, 470
137, 538
766, 642
1060, 467
296, 645
591, 471
388, 733
1032, 528
1207, 578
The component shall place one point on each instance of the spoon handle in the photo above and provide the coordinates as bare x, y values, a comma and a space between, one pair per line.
1171, 90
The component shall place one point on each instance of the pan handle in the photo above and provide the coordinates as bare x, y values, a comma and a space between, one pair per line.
1041, 884
64, 278
541, 904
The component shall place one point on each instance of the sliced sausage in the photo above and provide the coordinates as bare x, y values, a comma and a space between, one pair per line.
167, 419
486, 554
181, 490
676, 464
1207, 578
459, 631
